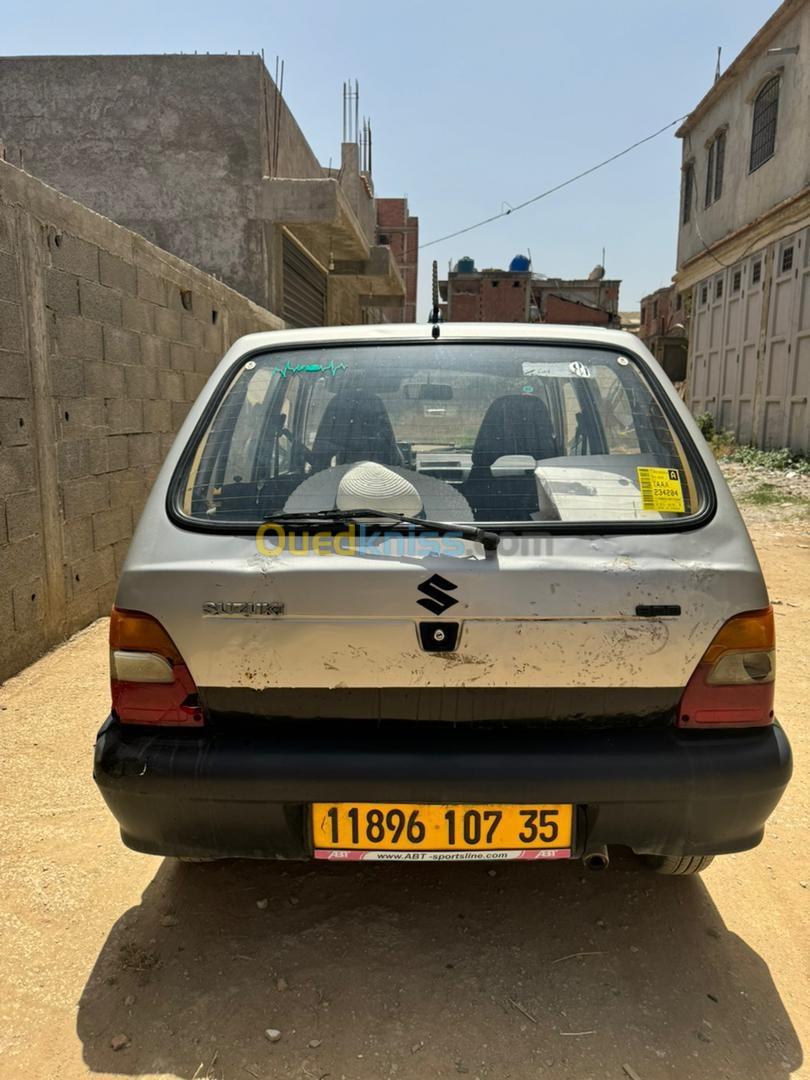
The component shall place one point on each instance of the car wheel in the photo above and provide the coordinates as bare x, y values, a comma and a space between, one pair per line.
678, 864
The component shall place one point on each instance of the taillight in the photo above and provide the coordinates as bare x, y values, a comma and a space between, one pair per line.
732, 686
149, 678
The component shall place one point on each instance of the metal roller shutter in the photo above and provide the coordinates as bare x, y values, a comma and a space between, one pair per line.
304, 288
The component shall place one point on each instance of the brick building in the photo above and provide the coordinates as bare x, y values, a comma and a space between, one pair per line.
663, 330
399, 230
581, 302
470, 295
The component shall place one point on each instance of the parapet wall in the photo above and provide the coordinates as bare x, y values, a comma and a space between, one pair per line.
105, 341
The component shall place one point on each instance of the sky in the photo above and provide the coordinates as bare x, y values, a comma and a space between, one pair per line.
475, 106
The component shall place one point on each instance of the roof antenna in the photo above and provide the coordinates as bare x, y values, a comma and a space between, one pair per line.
435, 314
717, 69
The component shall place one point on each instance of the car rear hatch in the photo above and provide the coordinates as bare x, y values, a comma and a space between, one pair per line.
546, 627
621, 552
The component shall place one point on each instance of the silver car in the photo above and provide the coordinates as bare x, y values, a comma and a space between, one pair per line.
481, 595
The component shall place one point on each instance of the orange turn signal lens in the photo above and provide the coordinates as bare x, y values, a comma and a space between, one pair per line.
135, 631
749, 632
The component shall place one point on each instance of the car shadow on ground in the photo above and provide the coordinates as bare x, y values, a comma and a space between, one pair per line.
430, 970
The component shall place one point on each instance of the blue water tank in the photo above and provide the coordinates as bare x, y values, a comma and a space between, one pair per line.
520, 264
465, 265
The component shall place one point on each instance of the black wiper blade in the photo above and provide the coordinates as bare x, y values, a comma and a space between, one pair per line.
488, 540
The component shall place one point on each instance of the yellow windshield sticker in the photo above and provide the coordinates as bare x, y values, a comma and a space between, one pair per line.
660, 489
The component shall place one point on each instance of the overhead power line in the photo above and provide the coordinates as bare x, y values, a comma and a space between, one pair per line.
557, 187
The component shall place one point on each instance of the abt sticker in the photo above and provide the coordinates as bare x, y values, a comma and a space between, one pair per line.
660, 489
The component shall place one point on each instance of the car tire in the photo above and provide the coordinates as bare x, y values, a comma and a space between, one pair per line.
678, 864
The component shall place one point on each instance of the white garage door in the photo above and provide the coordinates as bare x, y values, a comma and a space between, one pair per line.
765, 403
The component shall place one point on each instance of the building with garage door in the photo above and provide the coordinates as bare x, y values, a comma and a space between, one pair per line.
202, 156
744, 238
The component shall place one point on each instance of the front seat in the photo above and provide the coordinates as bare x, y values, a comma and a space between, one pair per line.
513, 424
355, 426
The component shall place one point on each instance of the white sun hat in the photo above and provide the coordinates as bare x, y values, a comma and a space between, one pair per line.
370, 486
435, 499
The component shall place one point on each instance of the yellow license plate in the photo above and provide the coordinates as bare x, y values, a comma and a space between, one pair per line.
393, 831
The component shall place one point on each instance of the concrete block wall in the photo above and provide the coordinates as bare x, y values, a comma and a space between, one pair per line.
105, 341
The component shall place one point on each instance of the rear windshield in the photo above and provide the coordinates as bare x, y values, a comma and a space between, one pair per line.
451, 432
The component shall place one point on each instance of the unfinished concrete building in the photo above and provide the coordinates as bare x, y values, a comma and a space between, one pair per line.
202, 156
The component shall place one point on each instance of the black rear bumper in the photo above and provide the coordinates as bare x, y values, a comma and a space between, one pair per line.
246, 793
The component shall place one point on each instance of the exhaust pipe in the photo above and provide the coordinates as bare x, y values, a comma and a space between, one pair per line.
596, 858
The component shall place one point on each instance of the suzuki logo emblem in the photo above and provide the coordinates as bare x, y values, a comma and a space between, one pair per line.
435, 589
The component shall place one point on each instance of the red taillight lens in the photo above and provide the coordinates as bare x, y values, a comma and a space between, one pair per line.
732, 686
149, 678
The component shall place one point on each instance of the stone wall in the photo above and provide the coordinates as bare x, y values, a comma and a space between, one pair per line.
105, 341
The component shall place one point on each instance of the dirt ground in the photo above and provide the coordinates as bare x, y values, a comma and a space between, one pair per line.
418, 972
770, 495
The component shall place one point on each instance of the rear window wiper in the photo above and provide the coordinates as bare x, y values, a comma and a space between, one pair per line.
488, 540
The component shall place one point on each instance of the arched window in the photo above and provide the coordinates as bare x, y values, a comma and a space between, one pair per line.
763, 128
